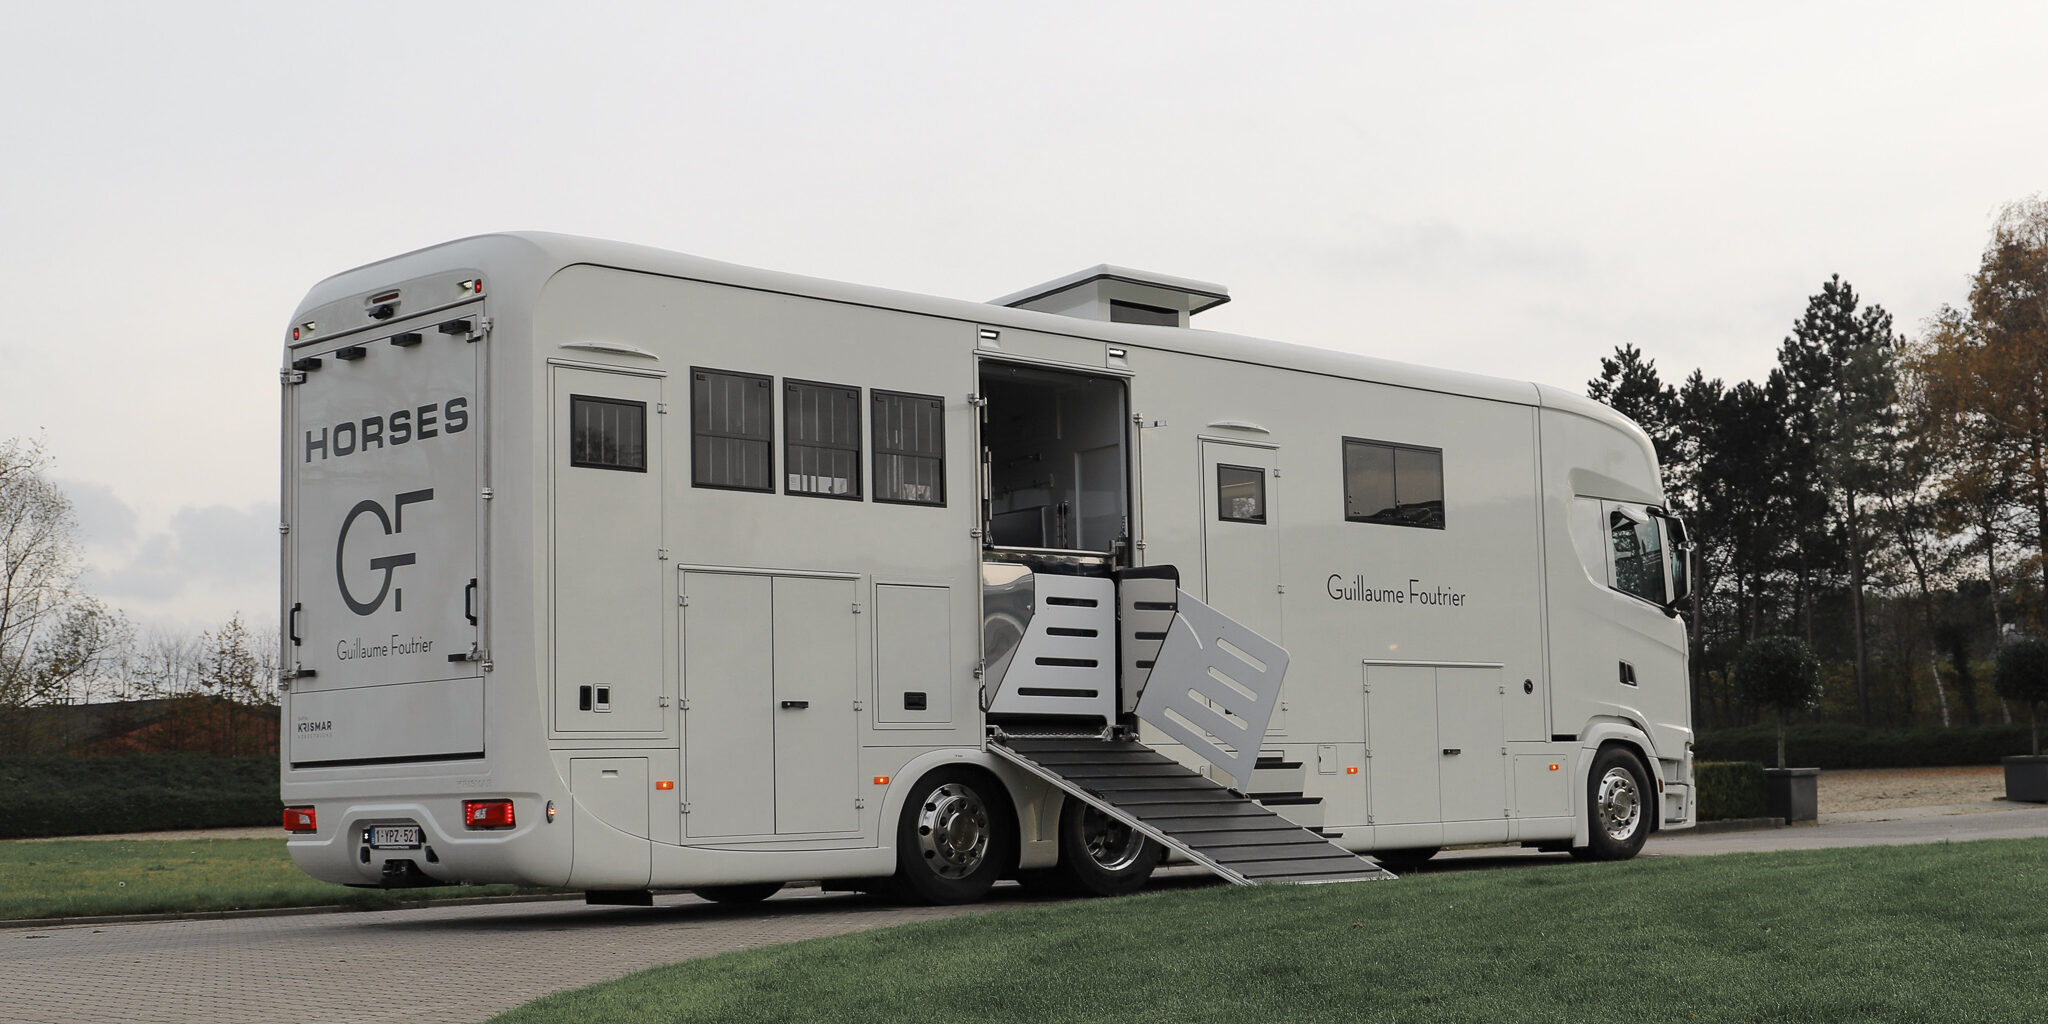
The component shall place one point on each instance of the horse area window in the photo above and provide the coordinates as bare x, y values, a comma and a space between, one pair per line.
732, 430
607, 433
910, 448
821, 439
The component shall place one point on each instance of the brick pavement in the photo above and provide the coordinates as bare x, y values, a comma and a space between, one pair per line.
441, 964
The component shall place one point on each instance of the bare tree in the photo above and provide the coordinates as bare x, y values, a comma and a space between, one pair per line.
53, 639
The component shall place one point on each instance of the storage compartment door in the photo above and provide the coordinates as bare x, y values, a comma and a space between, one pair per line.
1468, 727
816, 727
728, 723
1400, 724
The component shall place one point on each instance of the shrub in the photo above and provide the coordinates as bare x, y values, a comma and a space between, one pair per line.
2021, 675
1827, 745
1729, 789
64, 796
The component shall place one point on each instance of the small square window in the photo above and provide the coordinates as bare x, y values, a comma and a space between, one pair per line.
607, 433
1240, 494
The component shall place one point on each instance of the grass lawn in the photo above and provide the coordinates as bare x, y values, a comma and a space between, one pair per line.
78, 878
1947, 932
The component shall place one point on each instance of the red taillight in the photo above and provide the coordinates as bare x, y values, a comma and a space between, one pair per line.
301, 819
487, 813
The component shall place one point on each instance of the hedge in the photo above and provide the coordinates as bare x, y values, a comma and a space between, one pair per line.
1729, 789
1822, 745
67, 796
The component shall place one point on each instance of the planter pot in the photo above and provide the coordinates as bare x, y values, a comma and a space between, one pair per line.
1792, 794
2026, 778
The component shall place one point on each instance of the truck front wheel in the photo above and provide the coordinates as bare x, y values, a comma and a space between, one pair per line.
1618, 806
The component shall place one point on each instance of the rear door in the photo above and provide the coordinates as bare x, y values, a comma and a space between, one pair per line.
384, 527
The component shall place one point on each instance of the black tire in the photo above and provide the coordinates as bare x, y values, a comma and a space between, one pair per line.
1619, 803
1101, 856
956, 836
1407, 858
751, 892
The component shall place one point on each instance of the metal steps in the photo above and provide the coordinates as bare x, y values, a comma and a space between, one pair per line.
1200, 819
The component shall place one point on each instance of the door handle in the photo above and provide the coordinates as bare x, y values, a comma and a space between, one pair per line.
1449, 751
798, 704
469, 602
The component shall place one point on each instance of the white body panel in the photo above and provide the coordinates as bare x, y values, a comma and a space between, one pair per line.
780, 668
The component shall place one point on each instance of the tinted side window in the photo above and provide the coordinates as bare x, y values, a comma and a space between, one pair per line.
1638, 557
1393, 484
607, 433
732, 430
910, 448
821, 440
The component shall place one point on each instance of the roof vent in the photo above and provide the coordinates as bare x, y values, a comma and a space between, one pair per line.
1121, 295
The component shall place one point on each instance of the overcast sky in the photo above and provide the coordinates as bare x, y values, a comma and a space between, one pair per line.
1512, 189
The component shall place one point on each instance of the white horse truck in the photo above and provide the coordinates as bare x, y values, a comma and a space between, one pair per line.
614, 569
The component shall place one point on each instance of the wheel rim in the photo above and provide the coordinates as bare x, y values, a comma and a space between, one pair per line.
1620, 804
1112, 845
953, 831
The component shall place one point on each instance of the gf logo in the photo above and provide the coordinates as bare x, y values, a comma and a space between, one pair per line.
393, 522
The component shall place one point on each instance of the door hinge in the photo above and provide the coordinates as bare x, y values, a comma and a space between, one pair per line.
1279, 588
484, 325
980, 668
661, 554
974, 533
683, 601
289, 377
683, 704
975, 401
486, 493
661, 408
859, 804
856, 705
284, 527
686, 807
661, 701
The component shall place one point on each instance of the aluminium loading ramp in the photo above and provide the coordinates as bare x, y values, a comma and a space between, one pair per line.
1201, 820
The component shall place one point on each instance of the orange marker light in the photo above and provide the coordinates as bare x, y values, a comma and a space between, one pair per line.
665, 784
881, 780
1351, 770
1553, 766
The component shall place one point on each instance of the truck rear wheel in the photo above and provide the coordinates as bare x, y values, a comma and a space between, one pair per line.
1101, 856
955, 837
1617, 807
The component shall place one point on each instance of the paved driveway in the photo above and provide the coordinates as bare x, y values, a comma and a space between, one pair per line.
441, 964
460, 964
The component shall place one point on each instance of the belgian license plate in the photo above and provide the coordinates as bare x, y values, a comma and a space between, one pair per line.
395, 837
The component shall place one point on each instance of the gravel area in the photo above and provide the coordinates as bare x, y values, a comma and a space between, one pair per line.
1878, 789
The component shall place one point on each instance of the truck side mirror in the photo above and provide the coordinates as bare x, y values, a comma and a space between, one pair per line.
1678, 549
